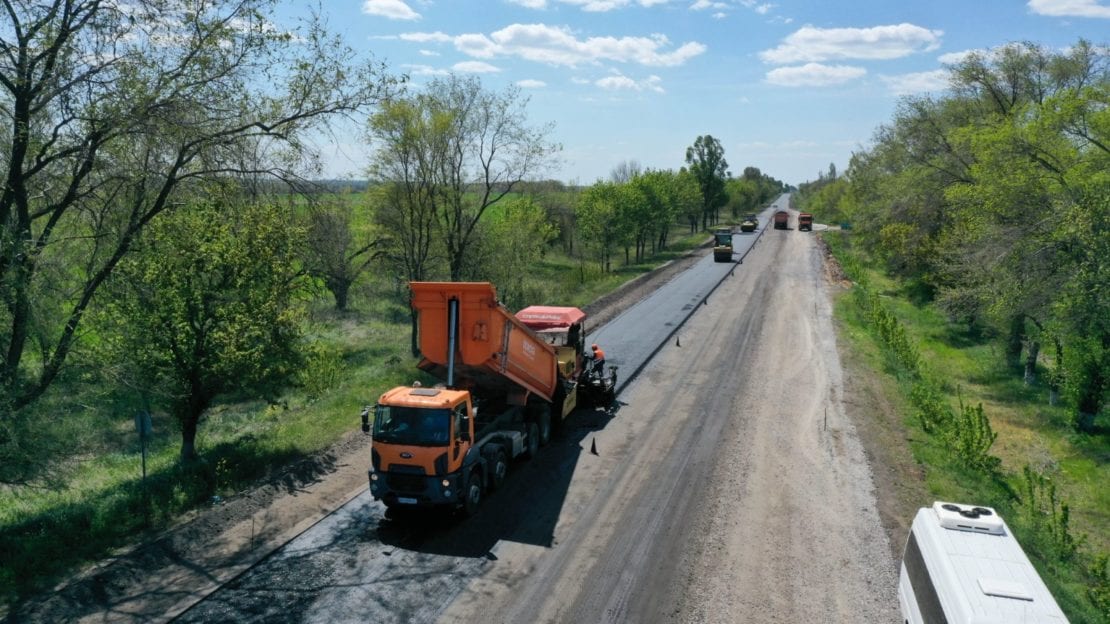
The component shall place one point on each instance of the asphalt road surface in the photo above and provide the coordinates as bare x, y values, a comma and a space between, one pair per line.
729, 486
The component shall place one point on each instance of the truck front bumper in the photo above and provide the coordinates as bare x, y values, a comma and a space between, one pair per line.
403, 489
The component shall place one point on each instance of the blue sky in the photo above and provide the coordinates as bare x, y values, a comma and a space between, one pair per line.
786, 86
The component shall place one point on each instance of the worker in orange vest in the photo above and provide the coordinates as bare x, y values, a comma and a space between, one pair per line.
599, 359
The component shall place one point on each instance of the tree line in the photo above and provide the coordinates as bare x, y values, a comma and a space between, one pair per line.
993, 199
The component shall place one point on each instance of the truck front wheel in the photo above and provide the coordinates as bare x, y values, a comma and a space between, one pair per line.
473, 494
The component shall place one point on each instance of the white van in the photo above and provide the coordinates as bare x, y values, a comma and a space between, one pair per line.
962, 565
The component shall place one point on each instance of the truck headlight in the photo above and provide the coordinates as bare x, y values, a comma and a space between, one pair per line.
446, 483
373, 476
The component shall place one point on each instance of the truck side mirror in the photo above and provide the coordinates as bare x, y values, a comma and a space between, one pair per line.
366, 417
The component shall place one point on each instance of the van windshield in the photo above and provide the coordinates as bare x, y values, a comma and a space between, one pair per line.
412, 425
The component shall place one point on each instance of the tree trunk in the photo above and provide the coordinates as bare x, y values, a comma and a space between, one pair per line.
189, 439
1015, 339
189, 416
1031, 362
1090, 398
340, 290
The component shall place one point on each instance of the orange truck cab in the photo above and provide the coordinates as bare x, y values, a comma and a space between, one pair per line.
505, 387
782, 220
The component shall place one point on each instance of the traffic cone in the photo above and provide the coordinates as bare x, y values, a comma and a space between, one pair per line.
593, 447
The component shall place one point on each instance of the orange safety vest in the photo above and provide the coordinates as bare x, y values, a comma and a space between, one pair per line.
599, 354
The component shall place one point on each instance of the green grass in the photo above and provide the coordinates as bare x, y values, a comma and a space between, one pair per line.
1031, 432
81, 508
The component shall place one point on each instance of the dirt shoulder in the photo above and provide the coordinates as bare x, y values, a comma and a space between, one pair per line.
871, 402
159, 579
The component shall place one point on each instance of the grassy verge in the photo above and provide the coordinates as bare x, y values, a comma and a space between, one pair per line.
96, 502
984, 437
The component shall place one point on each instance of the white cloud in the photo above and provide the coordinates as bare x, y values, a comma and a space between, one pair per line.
814, 75
810, 43
429, 53
529, 83
559, 46
762, 9
951, 58
701, 5
580, 81
593, 6
475, 67
720, 15
424, 70
621, 82
1070, 8
393, 9
422, 37
917, 82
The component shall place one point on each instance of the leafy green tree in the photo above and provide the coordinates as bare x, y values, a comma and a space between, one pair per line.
706, 161
112, 113
510, 242
599, 220
992, 197
208, 304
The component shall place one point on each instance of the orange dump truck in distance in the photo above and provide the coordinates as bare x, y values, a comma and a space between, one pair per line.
805, 222
782, 220
506, 385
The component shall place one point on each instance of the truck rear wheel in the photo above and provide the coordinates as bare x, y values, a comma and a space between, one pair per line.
545, 427
499, 468
533, 441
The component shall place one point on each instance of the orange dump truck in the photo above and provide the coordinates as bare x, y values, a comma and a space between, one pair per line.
782, 220
805, 222
506, 385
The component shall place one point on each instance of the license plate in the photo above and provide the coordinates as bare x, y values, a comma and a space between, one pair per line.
406, 501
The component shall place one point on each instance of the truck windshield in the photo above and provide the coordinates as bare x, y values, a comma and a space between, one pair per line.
723, 239
412, 425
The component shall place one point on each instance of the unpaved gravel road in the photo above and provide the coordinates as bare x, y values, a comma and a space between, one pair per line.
721, 492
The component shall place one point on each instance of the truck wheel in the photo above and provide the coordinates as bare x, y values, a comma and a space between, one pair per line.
545, 428
473, 494
499, 469
533, 441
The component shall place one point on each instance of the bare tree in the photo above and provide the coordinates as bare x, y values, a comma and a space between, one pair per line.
625, 171
477, 148
336, 253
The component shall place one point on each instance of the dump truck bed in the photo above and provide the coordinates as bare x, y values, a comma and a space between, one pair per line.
496, 351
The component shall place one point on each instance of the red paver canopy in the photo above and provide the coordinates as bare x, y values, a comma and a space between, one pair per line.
539, 318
